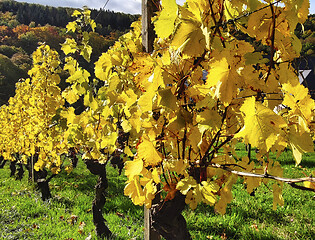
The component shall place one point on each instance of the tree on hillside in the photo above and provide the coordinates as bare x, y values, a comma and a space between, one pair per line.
10, 74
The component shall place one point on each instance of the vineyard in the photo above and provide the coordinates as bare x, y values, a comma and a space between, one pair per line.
170, 121
25, 216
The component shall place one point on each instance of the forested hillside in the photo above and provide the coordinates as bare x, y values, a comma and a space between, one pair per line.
26, 13
23, 27
307, 35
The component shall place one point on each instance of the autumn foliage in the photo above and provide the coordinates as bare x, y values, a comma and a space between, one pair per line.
183, 107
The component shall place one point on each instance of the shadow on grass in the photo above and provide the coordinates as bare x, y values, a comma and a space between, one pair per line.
115, 198
237, 223
306, 162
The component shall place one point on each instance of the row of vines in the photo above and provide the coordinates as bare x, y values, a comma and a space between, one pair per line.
170, 118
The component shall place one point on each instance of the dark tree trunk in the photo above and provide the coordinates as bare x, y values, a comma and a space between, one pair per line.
43, 186
73, 157
30, 169
42, 183
39, 177
12, 168
168, 221
99, 169
20, 172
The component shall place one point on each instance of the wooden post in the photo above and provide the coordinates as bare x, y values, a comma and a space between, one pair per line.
32, 166
149, 7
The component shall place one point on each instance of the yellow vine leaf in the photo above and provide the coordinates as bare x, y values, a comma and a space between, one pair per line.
208, 119
219, 77
79, 76
142, 68
133, 168
86, 51
109, 141
128, 97
262, 126
300, 142
254, 58
299, 101
195, 136
70, 95
71, 26
208, 188
156, 176
253, 4
148, 153
134, 190
103, 67
145, 102
126, 126
194, 197
167, 18
310, 184
135, 121
128, 152
70, 46
90, 101
277, 196
275, 169
226, 195
189, 38
149, 192
168, 99
69, 115
184, 185
252, 183
230, 11
76, 13
303, 6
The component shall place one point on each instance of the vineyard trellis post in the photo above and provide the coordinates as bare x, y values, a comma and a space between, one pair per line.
149, 7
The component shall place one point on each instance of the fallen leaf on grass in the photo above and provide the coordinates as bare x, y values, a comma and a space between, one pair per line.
81, 227
254, 226
35, 226
223, 236
119, 214
89, 237
73, 219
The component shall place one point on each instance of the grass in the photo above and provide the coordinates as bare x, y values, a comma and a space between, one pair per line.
68, 215
23, 215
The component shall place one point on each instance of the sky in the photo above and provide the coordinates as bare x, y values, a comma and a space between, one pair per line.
125, 6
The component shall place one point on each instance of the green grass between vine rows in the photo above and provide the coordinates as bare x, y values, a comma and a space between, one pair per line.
23, 215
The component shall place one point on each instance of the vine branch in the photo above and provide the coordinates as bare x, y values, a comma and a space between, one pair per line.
291, 181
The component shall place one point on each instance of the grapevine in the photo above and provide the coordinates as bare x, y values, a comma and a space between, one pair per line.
174, 116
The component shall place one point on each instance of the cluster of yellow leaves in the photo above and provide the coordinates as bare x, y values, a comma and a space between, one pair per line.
203, 87
188, 103
198, 192
26, 122
142, 184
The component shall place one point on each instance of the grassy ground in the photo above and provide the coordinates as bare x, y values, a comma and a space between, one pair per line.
23, 215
